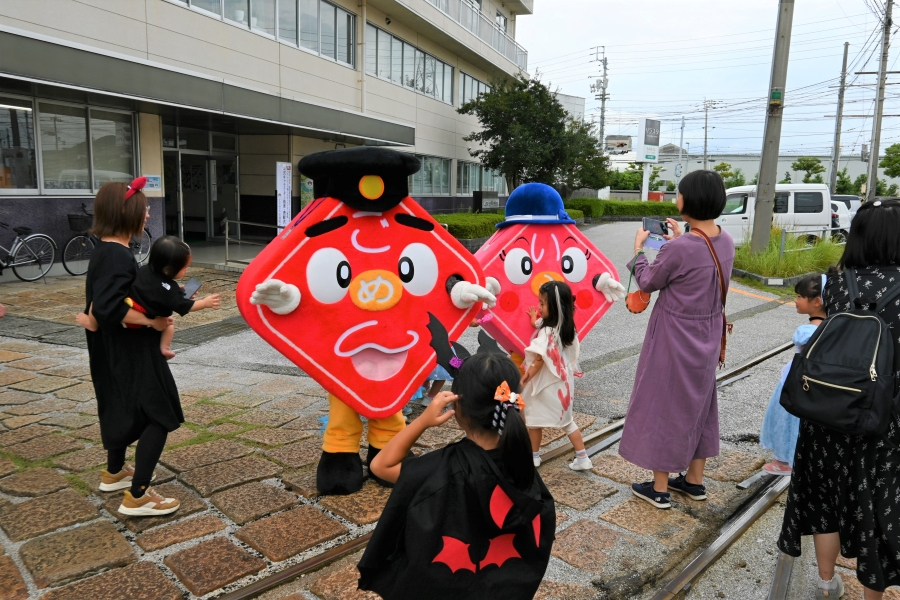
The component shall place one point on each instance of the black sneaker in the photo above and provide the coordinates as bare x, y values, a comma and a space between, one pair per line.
680, 484
645, 492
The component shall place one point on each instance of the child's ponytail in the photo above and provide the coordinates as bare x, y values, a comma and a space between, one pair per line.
516, 447
476, 385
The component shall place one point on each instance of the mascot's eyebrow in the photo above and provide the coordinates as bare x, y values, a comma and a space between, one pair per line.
414, 222
521, 238
326, 226
570, 238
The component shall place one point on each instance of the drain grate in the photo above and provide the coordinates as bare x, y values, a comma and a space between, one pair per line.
206, 333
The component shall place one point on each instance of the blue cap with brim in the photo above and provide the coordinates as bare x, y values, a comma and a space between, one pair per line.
533, 204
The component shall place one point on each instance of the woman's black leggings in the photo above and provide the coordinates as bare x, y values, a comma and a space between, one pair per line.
149, 448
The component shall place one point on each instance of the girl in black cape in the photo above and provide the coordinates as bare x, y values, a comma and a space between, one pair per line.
136, 395
471, 520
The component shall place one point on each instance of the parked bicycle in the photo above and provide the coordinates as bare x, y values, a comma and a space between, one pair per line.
31, 255
78, 250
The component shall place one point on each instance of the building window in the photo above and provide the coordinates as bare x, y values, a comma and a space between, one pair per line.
471, 88
287, 21
18, 163
492, 181
433, 178
64, 147
502, 22
112, 147
467, 175
312, 24
392, 59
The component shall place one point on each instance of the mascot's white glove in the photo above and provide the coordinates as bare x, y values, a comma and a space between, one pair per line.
493, 286
610, 288
279, 296
465, 294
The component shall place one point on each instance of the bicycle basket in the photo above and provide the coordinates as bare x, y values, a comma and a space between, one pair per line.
80, 222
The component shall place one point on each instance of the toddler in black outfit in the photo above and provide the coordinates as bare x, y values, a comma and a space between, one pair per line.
155, 292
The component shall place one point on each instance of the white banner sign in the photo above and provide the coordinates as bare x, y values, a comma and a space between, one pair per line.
646, 148
284, 177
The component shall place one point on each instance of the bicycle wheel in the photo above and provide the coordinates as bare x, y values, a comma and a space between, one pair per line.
34, 257
140, 246
77, 254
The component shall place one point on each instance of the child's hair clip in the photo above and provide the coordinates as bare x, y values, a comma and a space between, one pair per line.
485, 319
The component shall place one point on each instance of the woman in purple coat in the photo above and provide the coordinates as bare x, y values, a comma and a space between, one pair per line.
673, 418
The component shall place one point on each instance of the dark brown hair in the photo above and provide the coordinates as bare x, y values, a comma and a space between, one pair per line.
115, 216
874, 239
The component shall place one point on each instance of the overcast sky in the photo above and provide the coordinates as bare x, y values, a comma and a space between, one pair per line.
667, 56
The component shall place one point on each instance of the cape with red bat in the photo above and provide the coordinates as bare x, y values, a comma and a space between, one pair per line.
455, 527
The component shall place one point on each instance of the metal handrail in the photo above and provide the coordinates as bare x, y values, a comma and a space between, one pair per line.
785, 232
476, 22
225, 222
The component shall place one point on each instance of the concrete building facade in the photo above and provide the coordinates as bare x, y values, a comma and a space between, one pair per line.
206, 96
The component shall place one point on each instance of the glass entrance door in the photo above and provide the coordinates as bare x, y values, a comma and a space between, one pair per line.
224, 196
194, 192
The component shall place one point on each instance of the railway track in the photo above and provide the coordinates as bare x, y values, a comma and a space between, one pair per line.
595, 442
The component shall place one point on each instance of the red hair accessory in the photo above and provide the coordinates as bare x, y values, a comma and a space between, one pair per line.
505, 395
135, 186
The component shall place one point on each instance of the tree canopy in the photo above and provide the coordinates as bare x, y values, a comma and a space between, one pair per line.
527, 135
812, 166
890, 162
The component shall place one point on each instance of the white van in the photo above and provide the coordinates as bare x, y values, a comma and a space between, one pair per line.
797, 206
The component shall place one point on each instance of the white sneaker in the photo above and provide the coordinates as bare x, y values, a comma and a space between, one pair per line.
581, 464
835, 590
537, 460
151, 504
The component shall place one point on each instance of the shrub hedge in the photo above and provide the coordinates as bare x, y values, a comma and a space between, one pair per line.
468, 225
575, 214
594, 208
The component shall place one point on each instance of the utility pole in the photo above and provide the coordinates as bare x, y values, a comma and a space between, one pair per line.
768, 164
836, 156
872, 179
707, 104
599, 88
680, 167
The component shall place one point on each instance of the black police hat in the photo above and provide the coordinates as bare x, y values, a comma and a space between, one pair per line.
365, 178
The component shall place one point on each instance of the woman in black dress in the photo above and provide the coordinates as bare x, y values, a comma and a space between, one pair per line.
136, 394
845, 490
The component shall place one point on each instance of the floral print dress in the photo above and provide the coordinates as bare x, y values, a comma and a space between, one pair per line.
850, 484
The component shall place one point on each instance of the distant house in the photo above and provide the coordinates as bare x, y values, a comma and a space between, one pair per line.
671, 149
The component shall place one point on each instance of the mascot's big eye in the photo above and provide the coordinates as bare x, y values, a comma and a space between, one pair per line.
574, 264
518, 266
418, 269
328, 275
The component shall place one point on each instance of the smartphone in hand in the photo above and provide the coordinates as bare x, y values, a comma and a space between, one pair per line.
656, 227
191, 287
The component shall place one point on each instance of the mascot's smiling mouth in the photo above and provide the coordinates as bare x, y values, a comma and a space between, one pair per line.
374, 361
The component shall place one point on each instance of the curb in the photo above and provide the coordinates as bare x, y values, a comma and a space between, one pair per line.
770, 281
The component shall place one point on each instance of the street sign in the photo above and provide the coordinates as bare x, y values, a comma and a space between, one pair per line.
647, 147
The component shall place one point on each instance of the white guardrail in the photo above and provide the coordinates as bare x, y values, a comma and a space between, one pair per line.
475, 21
839, 240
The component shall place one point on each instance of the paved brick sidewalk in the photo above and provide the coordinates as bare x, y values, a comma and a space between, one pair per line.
244, 467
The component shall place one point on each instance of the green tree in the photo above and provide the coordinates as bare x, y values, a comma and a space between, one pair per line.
812, 166
787, 177
523, 130
755, 180
735, 179
671, 187
629, 179
583, 164
723, 169
843, 185
653, 184
891, 161
881, 186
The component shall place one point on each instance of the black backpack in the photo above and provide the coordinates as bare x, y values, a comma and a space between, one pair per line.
843, 379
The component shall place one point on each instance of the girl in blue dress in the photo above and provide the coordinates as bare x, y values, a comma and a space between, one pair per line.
780, 428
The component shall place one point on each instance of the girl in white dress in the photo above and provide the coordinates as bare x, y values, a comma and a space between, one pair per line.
551, 365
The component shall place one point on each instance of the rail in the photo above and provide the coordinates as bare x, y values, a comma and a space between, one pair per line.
475, 21
225, 222
784, 233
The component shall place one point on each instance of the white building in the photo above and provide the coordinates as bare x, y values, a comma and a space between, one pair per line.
207, 95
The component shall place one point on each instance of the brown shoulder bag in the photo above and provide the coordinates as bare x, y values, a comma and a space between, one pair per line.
727, 327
